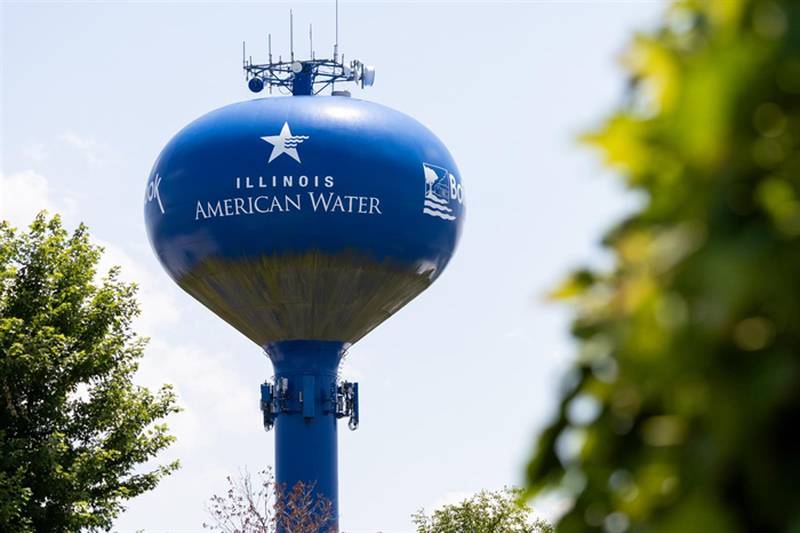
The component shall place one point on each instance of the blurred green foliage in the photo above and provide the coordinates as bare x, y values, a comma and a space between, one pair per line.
75, 431
681, 413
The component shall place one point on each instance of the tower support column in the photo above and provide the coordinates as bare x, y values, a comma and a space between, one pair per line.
303, 404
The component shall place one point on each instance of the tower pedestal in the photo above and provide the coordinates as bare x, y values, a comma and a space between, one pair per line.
303, 404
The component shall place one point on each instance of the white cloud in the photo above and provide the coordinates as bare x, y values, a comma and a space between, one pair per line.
23, 194
159, 309
211, 394
92, 150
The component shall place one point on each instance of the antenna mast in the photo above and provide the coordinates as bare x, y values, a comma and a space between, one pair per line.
336, 39
305, 76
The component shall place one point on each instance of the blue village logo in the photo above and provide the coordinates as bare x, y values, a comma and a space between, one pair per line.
441, 189
284, 143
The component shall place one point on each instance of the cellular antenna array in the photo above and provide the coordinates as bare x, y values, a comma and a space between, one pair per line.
304, 76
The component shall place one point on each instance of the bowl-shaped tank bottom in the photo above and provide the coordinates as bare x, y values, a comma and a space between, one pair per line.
312, 295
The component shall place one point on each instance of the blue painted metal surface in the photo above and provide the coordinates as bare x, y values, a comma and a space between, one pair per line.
320, 187
305, 222
305, 434
348, 147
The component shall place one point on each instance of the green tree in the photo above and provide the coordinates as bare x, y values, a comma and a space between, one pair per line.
485, 512
681, 412
74, 429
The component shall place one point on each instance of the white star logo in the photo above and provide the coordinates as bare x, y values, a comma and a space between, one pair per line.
285, 143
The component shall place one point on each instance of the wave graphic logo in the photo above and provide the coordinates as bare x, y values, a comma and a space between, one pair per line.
285, 143
442, 188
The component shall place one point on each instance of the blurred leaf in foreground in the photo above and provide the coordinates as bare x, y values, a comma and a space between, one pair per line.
685, 396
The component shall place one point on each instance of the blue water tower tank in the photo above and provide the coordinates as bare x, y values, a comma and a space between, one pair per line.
305, 221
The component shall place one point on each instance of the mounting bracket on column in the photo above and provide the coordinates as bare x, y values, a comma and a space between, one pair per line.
346, 403
274, 400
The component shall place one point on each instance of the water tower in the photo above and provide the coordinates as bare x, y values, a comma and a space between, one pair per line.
305, 221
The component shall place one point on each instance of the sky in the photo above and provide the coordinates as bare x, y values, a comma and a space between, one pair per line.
91, 92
